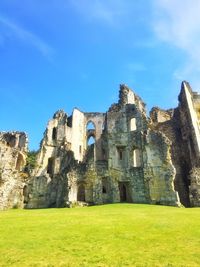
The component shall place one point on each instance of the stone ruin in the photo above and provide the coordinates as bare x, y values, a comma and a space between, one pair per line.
133, 158
13, 150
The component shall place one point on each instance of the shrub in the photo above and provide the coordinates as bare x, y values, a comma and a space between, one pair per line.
31, 161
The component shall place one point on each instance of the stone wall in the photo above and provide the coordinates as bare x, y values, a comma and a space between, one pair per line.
159, 171
181, 126
13, 148
189, 106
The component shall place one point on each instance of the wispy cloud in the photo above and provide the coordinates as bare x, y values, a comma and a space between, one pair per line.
177, 23
12, 29
108, 12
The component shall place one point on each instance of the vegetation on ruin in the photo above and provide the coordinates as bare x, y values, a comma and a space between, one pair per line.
30, 161
109, 235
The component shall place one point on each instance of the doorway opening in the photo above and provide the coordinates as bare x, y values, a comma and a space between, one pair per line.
123, 192
81, 193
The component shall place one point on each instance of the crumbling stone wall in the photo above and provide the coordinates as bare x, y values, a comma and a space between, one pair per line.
159, 171
181, 126
195, 187
124, 138
190, 122
125, 164
168, 122
189, 106
133, 159
13, 148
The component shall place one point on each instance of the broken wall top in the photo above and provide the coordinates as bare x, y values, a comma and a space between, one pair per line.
17, 140
127, 96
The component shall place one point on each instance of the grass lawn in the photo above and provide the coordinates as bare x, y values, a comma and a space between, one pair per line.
109, 235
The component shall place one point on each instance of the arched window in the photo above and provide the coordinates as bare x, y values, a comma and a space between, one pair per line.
91, 133
81, 193
137, 158
90, 125
54, 134
133, 126
91, 141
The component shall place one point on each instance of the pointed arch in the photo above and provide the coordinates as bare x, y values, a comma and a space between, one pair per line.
91, 140
91, 133
90, 125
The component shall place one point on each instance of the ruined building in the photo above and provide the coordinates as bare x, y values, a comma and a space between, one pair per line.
133, 158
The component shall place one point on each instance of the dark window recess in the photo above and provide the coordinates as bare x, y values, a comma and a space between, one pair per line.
50, 166
120, 152
104, 190
80, 149
54, 133
105, 185
81, 193
122, 192
69, 121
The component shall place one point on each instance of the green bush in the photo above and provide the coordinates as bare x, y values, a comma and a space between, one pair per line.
31, 161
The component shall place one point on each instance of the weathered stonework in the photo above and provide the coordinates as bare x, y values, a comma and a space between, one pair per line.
13, 148
133, 159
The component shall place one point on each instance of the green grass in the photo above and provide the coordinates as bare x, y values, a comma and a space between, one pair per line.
110, 235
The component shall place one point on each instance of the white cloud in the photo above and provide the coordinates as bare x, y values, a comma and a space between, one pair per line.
11, 30
177, 22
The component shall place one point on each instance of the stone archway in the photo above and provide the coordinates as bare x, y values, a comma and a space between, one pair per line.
91, 132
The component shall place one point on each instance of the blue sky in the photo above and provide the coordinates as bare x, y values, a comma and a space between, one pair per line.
61, 54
